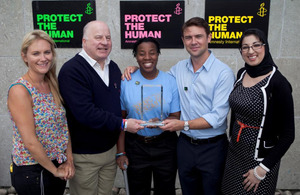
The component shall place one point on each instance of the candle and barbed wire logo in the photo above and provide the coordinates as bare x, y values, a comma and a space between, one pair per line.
178, 9
262, 10
89, 9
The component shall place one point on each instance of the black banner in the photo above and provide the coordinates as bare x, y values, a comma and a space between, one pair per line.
228, 19
63, 20
159, 19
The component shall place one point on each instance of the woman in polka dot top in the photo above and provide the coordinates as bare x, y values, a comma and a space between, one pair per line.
262, 123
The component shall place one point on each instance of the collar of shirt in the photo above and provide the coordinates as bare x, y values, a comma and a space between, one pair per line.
198, 96
207, 64
90, 60
104, 74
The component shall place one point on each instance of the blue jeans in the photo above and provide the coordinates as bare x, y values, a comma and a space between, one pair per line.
35, 180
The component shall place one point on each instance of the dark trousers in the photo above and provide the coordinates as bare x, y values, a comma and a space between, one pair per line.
156, 157
27, 180
201, 165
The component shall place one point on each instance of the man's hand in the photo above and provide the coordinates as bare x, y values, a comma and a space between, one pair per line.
172, 125
133, 125
128, 71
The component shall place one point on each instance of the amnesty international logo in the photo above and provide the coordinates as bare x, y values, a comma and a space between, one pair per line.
262, 11
89, 9
178, 9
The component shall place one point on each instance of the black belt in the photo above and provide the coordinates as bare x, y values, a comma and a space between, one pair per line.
151, 139
203, 141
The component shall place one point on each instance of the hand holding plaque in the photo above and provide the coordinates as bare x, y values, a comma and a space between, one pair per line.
153, 123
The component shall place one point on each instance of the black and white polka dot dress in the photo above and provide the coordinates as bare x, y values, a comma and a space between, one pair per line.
247, 103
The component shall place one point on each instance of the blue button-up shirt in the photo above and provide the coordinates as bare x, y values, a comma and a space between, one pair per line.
204, 93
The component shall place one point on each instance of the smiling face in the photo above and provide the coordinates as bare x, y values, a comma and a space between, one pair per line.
196, 41
39, 56
147, 57
252, 57
97, 41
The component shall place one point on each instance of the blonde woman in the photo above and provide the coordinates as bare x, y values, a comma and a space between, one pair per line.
42, 155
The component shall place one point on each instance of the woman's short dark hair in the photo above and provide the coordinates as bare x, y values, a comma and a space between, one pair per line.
147, 39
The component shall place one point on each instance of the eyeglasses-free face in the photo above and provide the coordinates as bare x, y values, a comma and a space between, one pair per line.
147, 57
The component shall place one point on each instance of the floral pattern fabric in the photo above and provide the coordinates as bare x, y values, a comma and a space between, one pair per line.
50, 126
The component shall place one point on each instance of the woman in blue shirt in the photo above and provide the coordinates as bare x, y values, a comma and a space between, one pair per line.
151, 151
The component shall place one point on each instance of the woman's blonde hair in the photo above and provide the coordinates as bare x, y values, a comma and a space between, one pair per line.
50, 76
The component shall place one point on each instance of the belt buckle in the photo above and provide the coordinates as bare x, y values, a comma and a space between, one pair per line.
148, 140
194, 141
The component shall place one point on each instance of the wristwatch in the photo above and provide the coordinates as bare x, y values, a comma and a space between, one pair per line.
186, 126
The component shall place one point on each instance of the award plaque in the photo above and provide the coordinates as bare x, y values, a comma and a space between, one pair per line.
144, 90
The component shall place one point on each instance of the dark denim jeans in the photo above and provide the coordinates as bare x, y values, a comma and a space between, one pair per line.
27, 180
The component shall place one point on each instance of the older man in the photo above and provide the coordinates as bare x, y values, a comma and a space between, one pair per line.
90, 86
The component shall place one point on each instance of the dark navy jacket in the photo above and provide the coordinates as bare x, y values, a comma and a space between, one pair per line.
93, 109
